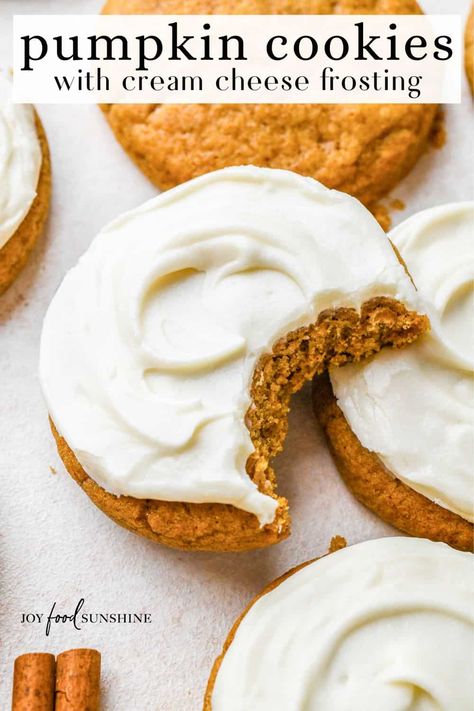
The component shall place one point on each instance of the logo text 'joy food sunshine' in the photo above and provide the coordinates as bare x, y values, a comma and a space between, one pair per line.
78, 618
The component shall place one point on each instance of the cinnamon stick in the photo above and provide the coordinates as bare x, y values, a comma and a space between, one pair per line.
78, 680
33, 682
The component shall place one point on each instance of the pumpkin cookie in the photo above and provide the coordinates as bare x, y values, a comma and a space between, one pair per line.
357, 629
25, 183
400, 426
469, 48
363, 149
170, 352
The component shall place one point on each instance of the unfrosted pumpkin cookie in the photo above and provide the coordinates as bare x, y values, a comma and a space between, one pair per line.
469, 48
170, 351
383, 625
25, 183
360, 149
401, 426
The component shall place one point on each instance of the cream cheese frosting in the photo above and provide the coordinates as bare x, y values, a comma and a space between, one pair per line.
383, 625
20, 161
150, 343
415, 408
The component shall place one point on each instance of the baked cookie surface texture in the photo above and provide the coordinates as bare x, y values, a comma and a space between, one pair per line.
24, 182
170, 352
415, 410
386, 624
363, 150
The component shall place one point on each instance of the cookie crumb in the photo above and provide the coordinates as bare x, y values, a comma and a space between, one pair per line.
397, 204
438, 134
337, 544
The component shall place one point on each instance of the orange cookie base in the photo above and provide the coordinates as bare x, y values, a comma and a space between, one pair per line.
14, 254
469, 48
336, 544
339, 336
206, 527
361, 149
375, 487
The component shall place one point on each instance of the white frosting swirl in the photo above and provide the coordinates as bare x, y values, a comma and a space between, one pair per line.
20, 161
415, 408
386, 625
150, 343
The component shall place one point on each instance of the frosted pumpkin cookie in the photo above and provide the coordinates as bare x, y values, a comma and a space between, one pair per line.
402, 429
380, 626
170, 352
362, 149
469, 48
25, 183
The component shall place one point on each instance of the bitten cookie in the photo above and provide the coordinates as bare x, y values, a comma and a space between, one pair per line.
358, 629
363, 150
170, 352
25, 183
400, 426
469, 48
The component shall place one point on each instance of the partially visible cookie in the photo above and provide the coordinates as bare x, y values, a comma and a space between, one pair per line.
25, 183
364, 149
356, 629
400, 426
14, 254
469, 48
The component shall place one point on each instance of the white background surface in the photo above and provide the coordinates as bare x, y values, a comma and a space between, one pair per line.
54, 544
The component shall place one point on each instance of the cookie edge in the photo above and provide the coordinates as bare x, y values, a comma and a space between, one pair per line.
16, 251
377, 488
337, 543
469, 48
339, 335
193, 527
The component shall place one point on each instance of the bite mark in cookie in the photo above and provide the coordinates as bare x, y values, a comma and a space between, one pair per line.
185, 329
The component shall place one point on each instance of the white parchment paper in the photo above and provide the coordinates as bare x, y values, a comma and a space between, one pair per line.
55, 546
